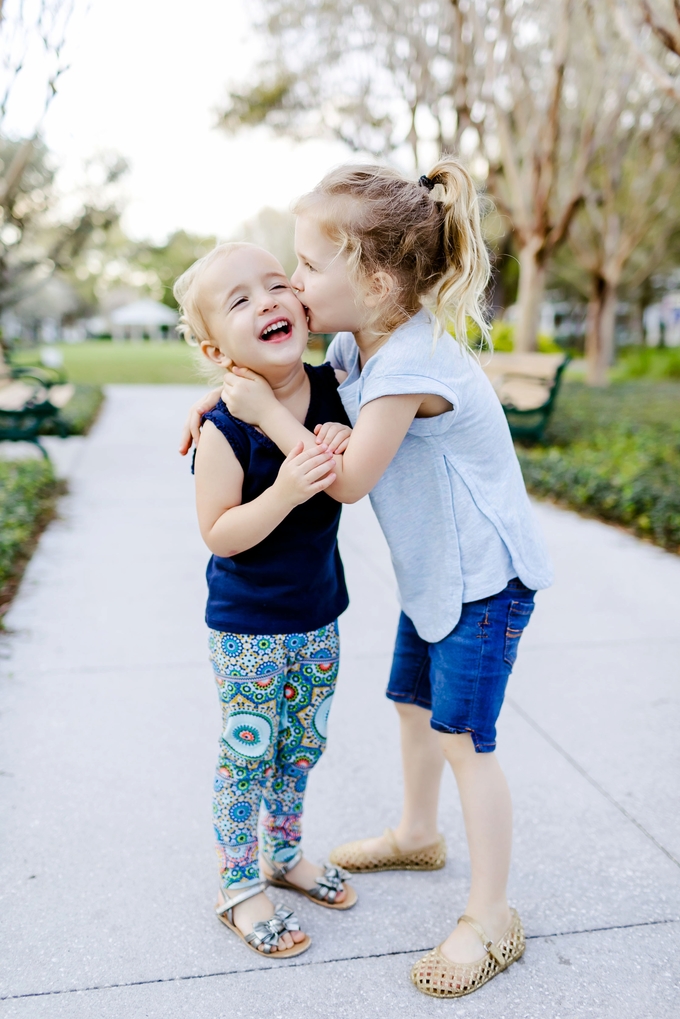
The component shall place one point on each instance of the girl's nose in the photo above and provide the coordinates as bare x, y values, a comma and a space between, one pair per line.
268, 303
296, 280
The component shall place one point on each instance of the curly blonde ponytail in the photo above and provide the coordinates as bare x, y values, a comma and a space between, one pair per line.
460, 292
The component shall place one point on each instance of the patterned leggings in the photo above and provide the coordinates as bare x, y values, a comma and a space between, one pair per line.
276, 692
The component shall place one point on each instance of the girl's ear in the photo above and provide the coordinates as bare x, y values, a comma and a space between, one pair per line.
214, 353
380, 286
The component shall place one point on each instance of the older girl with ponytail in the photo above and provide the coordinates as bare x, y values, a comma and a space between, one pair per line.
398, 269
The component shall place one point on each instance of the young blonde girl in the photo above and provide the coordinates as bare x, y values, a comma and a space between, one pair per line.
395, 267
275, 590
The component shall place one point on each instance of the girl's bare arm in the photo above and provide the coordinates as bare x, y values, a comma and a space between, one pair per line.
191, 430
227, 526
377, 435
375, 439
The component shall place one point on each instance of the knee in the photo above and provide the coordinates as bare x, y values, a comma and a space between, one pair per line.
299, 765
458, 748
412, 714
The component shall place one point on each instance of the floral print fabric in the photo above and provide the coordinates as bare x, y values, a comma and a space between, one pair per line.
276, 693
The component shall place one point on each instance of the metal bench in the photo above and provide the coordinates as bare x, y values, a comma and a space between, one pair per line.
29, 398
527, 386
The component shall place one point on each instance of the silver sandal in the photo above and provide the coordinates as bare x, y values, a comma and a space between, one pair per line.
326, 888
265, 932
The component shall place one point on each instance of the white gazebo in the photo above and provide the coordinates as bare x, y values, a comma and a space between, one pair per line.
142, 320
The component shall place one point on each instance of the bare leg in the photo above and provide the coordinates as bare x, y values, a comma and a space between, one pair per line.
422, 763
487, 811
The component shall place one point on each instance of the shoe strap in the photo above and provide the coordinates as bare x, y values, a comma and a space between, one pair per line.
491, 948
248, 893
394, 846
279, 870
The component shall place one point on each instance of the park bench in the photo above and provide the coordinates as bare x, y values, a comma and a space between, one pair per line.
29, 399
527, 386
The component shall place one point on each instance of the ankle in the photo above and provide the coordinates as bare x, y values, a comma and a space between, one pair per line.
415, 836
491, 913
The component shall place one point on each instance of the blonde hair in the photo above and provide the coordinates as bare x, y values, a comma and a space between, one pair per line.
426, 235
192, 327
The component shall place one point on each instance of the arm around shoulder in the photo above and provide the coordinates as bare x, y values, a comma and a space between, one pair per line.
377, 435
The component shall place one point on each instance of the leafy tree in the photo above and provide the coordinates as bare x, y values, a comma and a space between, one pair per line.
37, 237
509, 84
631, 205
163, 263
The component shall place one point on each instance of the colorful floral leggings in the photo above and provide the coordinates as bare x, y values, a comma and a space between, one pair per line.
276, 692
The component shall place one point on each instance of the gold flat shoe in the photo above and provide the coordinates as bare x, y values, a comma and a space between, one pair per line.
437, 976
354, 857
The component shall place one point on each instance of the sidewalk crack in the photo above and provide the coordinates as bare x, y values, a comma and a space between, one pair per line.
309, 963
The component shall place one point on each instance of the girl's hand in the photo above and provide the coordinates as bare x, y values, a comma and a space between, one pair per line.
333, 436
304, 473
247, 395
191, 432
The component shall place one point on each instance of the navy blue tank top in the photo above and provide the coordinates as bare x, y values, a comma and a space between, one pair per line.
293, 580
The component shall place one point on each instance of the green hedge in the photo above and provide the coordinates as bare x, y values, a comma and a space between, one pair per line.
615, 454
645, 362
28, 491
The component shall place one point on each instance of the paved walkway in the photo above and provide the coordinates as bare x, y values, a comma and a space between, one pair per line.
108, 735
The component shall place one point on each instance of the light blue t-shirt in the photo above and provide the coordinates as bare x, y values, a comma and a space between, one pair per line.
452, 503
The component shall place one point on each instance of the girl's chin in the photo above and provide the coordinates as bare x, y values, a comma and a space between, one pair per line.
316, 325
283, 356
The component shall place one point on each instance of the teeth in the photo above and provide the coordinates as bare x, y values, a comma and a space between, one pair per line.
273, 326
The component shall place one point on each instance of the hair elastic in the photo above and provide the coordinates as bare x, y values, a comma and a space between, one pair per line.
425, 182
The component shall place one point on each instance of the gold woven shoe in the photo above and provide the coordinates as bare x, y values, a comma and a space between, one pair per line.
435, 975
354, 857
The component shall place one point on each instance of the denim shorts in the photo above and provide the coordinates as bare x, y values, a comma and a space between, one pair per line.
462, 678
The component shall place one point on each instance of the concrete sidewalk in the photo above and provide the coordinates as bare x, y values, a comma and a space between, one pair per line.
108, 734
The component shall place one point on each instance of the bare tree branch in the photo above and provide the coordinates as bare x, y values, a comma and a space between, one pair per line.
668, 83
668, 35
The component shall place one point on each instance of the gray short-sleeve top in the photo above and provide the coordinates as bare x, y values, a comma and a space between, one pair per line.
452, 503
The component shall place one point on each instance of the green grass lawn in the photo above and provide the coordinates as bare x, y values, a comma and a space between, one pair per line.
99, 362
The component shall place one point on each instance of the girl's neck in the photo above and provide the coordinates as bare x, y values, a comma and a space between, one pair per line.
290, 386
368, 344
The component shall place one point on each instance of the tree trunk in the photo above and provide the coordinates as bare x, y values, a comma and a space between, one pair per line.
600, 323
530, 295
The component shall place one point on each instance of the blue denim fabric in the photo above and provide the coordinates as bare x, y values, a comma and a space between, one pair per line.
462, 678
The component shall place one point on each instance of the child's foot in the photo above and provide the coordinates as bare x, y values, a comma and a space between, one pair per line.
260, 907
463, 944
304, 875
393, 850
406, 841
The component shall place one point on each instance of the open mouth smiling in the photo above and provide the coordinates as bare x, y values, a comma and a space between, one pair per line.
278, 330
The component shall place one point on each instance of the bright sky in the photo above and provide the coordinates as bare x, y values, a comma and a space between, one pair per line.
145, 79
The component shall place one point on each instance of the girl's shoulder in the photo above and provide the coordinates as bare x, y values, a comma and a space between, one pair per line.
236, 432
322, 376
414, 349
324, 401
343, 352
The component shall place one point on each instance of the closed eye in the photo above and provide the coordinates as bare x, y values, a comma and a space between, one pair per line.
236, 303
